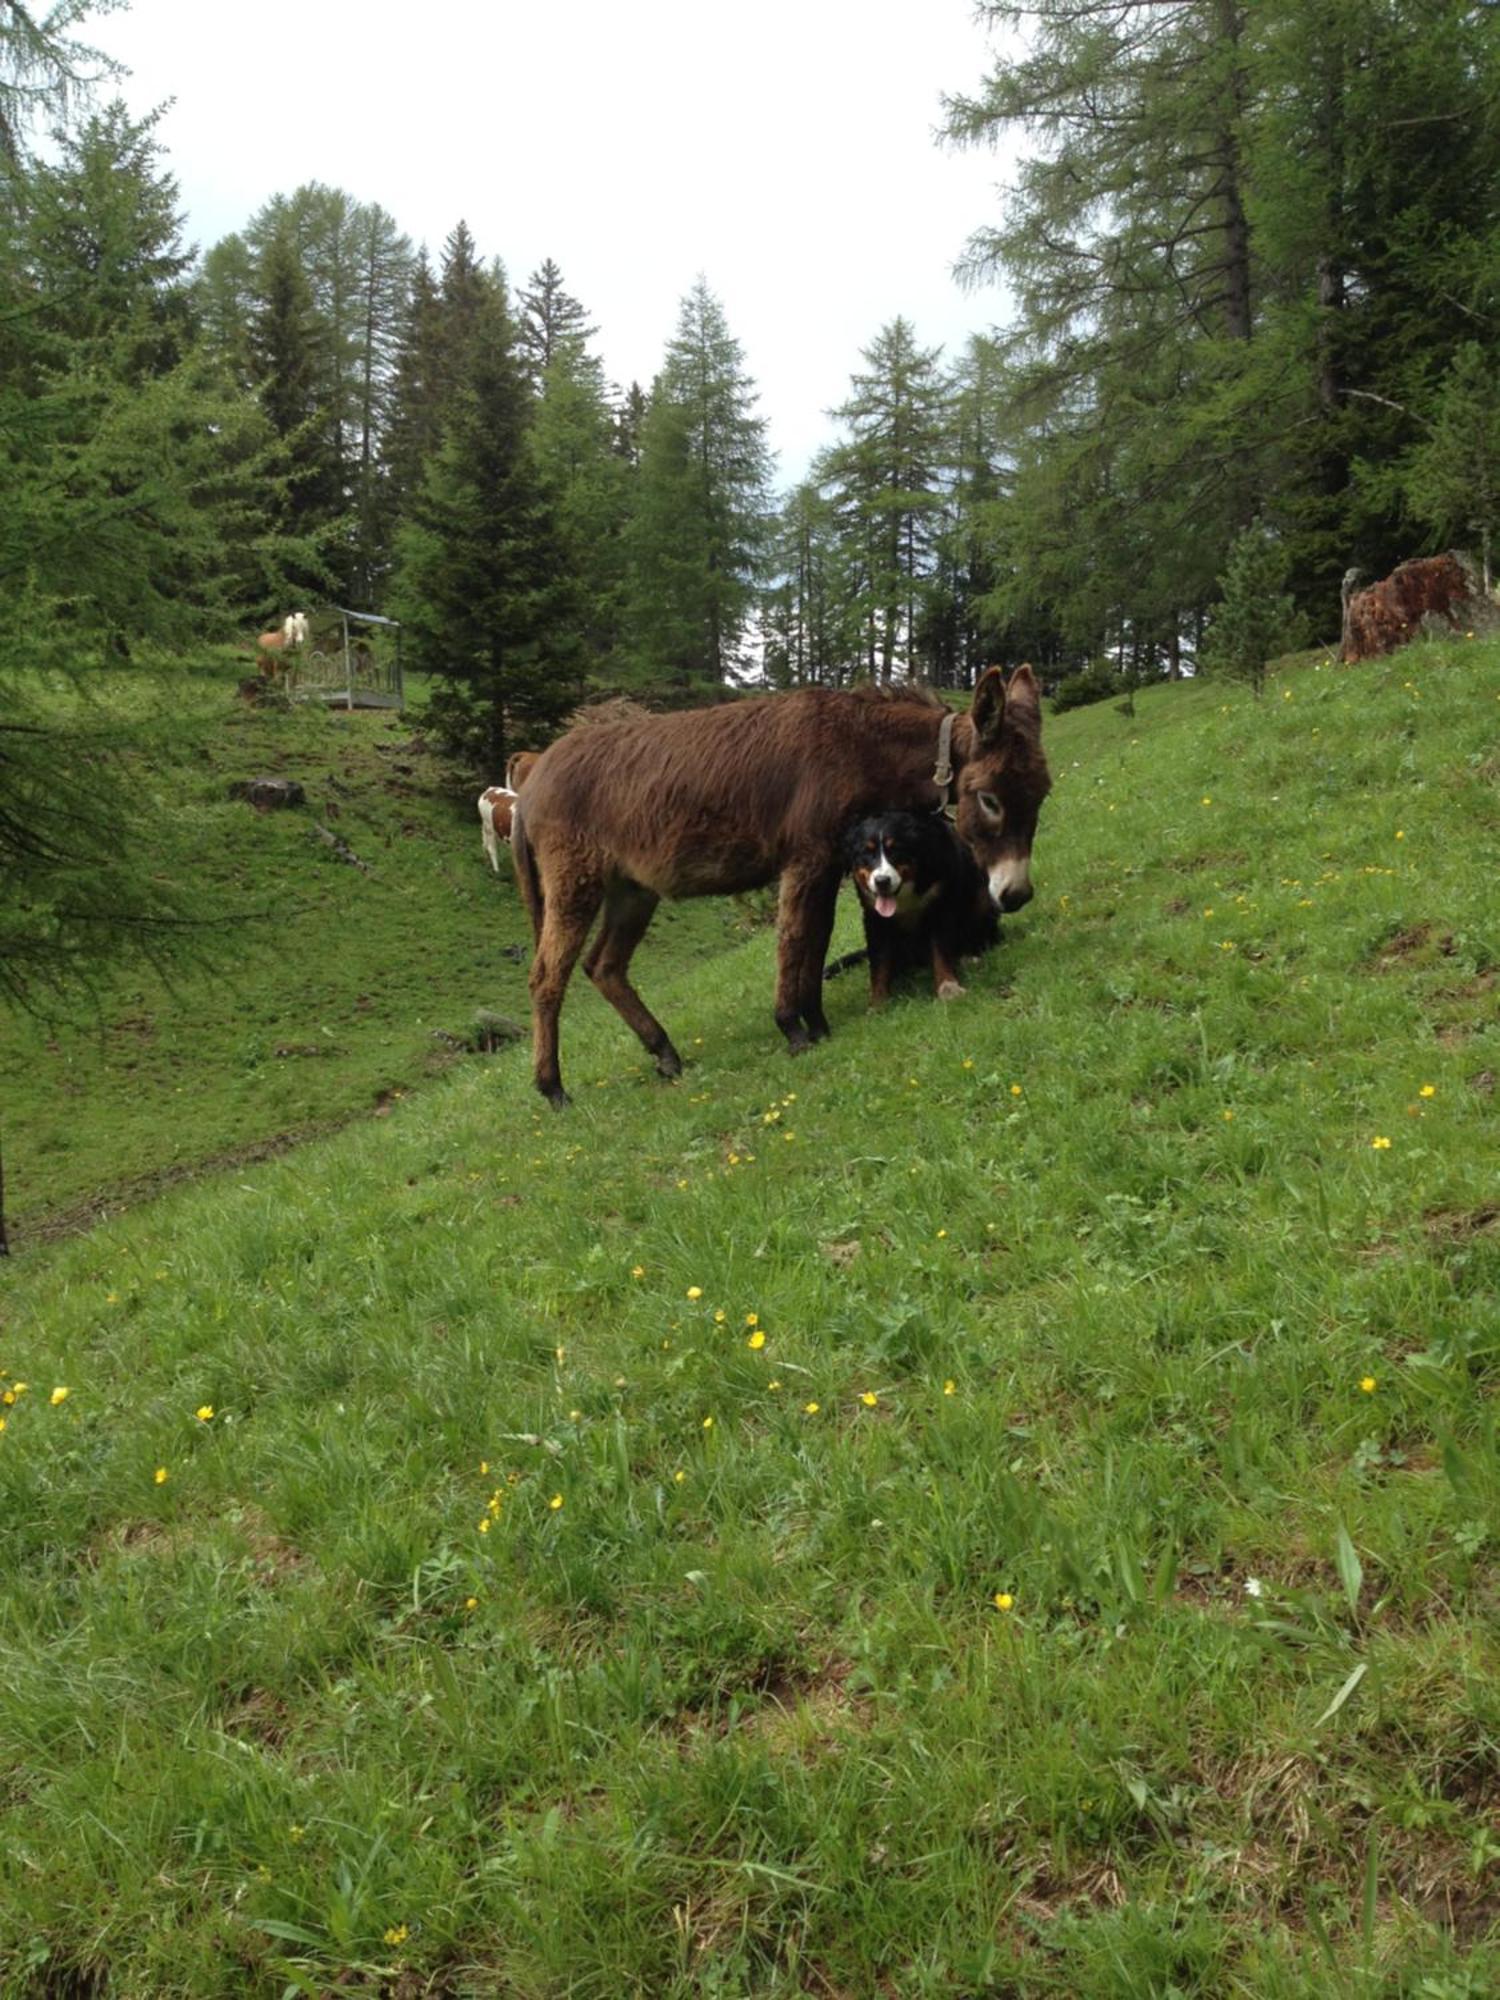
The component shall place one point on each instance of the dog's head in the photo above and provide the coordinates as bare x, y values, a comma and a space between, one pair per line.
885, 855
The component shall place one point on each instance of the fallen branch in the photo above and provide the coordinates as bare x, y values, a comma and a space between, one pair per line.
341, 847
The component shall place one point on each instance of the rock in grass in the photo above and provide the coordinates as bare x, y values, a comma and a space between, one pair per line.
268, 794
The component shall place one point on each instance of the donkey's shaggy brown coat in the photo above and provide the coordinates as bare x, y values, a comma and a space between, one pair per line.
712, 801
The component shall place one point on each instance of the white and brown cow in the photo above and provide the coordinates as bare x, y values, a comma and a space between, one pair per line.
496, 807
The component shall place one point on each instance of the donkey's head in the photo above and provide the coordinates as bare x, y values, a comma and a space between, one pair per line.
1003, 781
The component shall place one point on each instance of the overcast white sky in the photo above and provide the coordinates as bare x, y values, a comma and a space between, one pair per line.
783, 149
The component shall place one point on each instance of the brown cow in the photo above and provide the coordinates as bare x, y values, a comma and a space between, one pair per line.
1387, 614
712, 801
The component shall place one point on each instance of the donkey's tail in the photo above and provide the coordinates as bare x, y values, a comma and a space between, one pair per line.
528, 875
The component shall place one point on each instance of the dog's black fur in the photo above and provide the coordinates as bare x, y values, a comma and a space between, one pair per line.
943, 907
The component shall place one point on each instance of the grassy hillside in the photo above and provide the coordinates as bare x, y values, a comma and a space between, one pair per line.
339, 979
1004, 1504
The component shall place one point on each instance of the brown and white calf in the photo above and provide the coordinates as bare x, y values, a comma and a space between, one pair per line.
496, 805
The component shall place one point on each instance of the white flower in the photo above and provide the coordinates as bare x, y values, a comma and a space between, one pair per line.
1254, 1587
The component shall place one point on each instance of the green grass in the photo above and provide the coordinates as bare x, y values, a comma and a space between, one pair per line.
1112, 1247
338, 983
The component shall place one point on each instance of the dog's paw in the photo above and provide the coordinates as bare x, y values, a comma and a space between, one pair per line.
950, 990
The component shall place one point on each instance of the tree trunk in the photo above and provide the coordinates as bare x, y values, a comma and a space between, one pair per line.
1236, 222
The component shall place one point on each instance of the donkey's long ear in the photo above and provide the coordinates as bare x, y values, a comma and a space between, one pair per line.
988, 709
1024, 695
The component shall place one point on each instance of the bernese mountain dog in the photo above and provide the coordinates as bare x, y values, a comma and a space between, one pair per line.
923, 897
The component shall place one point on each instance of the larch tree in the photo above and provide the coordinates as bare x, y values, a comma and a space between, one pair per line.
808, 613
1245, 243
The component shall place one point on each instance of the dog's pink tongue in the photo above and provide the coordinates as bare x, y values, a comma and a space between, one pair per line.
885, 906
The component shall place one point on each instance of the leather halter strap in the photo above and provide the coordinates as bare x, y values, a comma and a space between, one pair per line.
942, 772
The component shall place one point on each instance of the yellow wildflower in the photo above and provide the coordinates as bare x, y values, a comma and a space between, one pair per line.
1428, 1090
1368, 1384
555, 1502
811, 1408
1381, 1145
752, 1319
397, 1934
678, 1477
637, 1270
695, 1291
708, 1423
59, 1395
950, 1387
204, 1413
757, 1340
1003, 1600
160, 1475
869, 1399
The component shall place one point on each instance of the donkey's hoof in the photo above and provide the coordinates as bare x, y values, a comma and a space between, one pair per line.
555, 1095
668, 1063
950, 990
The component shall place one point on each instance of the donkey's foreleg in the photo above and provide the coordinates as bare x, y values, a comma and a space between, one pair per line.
565, 925
805, 924
628, 909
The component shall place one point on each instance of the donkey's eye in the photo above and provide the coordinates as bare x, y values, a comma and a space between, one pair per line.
990, 806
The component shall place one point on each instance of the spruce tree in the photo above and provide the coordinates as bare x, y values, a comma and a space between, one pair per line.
551, 320
588, 486
884, 479
288, 342
1255, 618
480, 584
697, 533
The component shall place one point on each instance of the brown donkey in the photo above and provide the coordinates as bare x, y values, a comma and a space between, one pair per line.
711, 801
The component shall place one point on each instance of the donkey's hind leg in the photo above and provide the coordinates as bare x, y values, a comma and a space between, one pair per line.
628, 909
564, 926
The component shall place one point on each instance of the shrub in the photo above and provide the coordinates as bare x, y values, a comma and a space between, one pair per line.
1097, 682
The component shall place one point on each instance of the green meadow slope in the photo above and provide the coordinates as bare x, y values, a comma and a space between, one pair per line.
1007, 1503
335, 984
